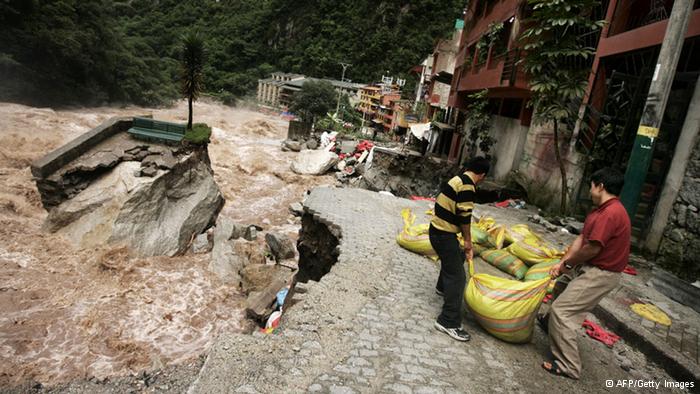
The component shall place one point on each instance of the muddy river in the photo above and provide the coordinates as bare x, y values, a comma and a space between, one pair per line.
66, 313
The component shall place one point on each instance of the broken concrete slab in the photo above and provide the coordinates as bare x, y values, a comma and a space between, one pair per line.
165, 160
58, 158
296, 209
149, 171
90, 161
259, 304
281, 246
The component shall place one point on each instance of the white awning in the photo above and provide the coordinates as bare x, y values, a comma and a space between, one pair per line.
419, 129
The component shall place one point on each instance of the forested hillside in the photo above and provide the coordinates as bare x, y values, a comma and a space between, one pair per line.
55, 52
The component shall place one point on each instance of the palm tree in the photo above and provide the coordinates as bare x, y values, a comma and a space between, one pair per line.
192, 67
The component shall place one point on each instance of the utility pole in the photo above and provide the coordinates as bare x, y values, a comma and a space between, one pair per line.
648, 131
342, 79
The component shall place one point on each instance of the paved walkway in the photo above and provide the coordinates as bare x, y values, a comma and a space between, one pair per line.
367, 326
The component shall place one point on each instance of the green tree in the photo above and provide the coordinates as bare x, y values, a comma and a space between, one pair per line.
192, 70
92, 51
313, 100
557, 63
478, 123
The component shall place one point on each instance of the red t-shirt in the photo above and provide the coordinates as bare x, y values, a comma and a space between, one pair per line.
609, 225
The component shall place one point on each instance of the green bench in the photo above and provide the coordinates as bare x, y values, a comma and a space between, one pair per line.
156, 130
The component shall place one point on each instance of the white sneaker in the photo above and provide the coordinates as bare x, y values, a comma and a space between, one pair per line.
456, 333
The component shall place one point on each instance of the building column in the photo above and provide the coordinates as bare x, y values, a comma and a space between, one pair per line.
259, 91
676, 174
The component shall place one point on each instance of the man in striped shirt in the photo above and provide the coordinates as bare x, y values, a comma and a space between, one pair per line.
453, 214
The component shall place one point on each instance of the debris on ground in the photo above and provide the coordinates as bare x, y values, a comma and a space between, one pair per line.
511, 203
544, 222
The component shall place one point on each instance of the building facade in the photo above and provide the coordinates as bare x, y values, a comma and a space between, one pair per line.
621, 72
269, 89
444, 57
277, 90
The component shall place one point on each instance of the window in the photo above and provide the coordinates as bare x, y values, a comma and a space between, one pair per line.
511, 107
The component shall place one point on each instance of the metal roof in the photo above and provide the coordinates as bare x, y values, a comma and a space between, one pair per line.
338, 84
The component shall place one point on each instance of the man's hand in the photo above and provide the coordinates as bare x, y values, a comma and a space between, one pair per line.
468, 251
554, 272
558, 269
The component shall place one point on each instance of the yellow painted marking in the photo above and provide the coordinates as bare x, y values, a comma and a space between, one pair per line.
647, 131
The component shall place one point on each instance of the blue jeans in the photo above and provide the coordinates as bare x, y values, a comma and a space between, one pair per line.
452, 279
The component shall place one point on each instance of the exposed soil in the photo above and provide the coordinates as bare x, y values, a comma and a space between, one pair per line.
70, 313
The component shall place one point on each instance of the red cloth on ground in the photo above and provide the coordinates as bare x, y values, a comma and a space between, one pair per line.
419, 198
630, 270
503, 204
596, 332
364, 145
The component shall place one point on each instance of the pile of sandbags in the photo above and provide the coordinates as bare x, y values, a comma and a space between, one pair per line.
506, 308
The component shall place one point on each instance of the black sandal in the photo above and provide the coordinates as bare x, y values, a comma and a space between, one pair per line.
554, 369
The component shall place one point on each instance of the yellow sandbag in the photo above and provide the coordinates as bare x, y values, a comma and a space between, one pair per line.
540, 271
478, 249
479, 236
519, 232
550, 288
415, 237
505, 262
532, 251
497, 236
417, 244
651, 312
485, 223
503, 307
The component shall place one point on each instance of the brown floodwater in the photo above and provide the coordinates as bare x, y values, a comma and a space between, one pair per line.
69, 313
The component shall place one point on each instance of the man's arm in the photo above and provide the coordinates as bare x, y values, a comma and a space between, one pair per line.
574, 247
467, 237
580, 256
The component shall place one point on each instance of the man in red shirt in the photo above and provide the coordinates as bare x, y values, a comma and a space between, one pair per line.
594, 260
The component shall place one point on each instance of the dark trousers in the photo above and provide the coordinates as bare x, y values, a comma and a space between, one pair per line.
452, 277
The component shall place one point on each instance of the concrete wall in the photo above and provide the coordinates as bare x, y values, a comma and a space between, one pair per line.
510, 139
48, 164
539, 170
442, 90
680, 244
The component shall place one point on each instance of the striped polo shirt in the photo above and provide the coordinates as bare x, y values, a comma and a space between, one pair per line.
454, 205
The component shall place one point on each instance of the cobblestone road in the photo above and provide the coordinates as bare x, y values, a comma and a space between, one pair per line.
367, 326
